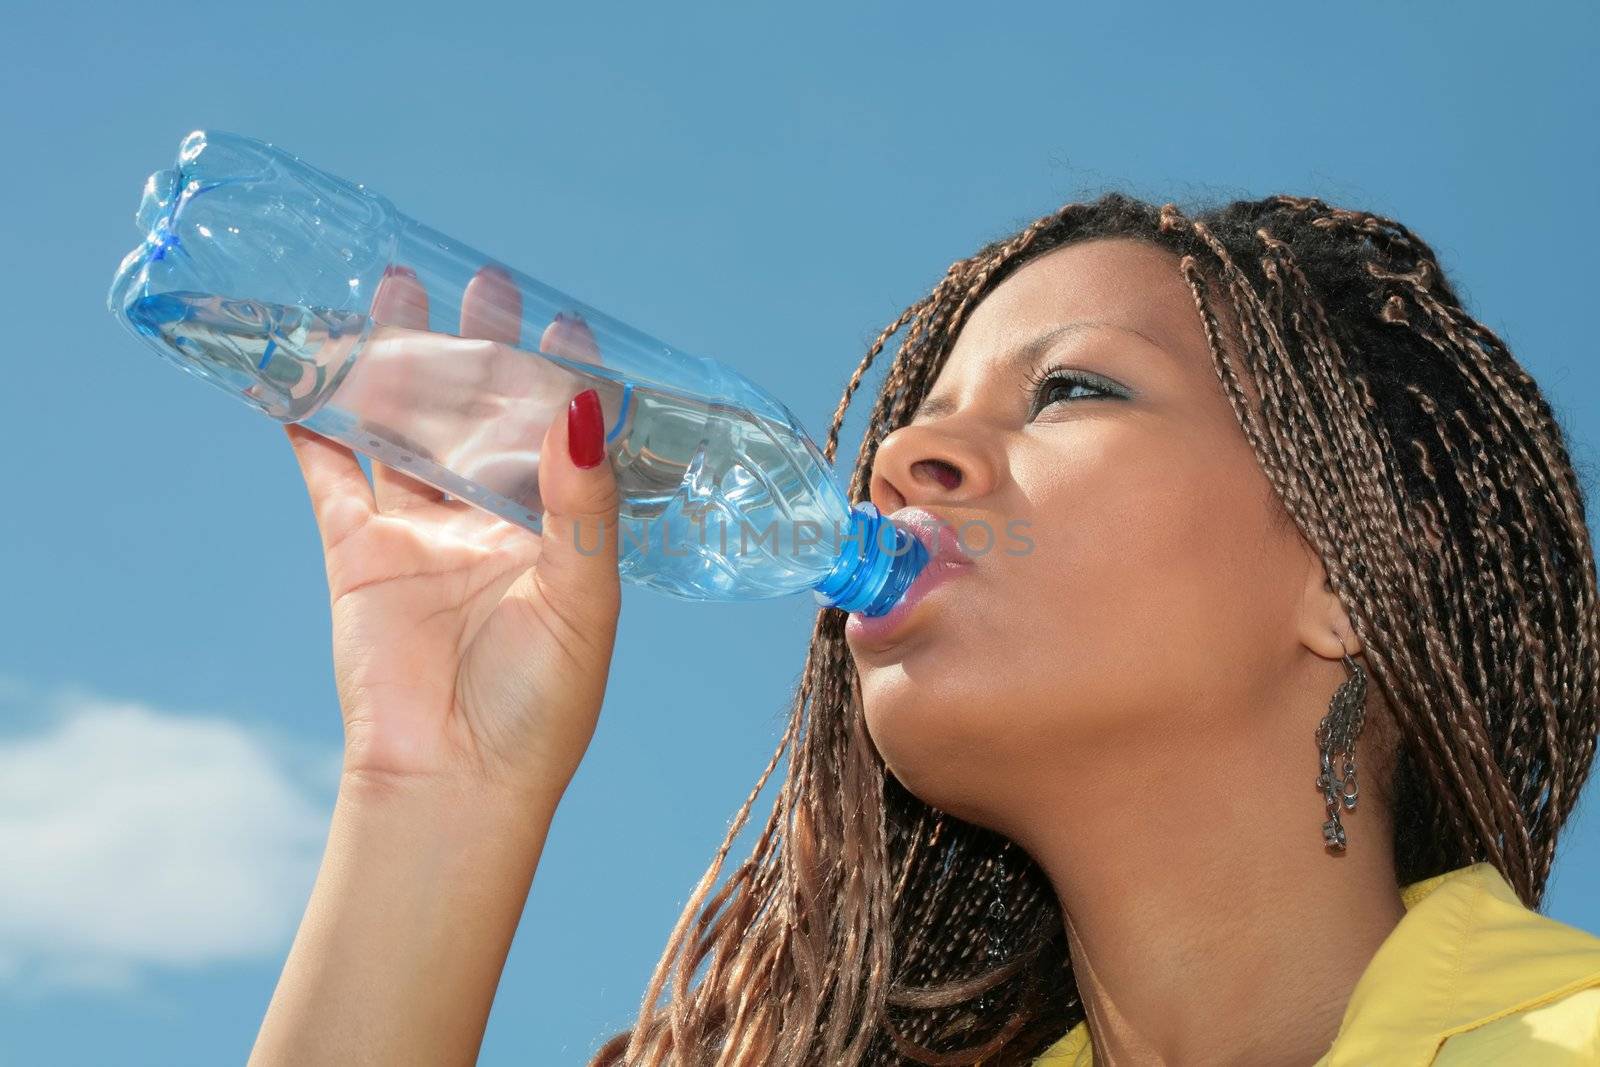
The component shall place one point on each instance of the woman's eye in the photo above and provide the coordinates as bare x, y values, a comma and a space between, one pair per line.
1059, 386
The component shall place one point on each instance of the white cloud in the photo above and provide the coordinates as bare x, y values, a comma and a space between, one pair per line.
133, 838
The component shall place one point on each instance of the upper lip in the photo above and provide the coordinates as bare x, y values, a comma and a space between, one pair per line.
937, 535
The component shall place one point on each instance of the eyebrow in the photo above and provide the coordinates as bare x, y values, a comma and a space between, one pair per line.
1028, 352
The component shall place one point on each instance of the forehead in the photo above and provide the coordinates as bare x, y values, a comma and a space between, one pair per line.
1120, 281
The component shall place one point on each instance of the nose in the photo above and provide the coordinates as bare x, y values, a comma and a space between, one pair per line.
924, 464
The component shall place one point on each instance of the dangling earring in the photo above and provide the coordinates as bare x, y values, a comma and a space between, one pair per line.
1336, 737
994, 920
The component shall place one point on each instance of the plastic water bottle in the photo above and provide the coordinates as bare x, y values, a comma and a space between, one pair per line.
313, 300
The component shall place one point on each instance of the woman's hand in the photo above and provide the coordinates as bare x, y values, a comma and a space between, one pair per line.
467, 650
471, 658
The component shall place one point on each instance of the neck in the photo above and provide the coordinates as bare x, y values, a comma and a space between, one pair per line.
1211, 925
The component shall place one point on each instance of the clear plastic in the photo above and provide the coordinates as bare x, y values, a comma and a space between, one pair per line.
313, 300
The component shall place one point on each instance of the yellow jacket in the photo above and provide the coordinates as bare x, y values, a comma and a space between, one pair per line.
1468, 978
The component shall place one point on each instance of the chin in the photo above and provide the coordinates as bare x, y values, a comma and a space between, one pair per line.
936, 739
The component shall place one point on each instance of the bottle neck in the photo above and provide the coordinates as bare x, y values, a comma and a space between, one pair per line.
876, 564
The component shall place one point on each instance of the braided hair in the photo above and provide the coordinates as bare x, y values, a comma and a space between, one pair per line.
1417, 458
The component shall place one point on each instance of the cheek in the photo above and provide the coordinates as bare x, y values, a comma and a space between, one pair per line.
1154, 586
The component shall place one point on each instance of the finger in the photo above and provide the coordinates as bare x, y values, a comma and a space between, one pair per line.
576, 573
401, 300
491, 307
569, 336
341, 499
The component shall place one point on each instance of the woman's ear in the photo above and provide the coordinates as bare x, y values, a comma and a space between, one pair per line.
1324, 624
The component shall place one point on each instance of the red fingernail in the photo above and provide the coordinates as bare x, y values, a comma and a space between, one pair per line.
586, 429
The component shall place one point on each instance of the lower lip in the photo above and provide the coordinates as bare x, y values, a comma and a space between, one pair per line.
878, 628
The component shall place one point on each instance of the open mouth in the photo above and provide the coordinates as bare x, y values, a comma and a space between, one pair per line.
947, 559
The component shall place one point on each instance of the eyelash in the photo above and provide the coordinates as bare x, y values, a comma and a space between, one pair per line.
1042, 380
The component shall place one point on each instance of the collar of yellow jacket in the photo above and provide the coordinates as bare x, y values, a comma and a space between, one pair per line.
1466, 952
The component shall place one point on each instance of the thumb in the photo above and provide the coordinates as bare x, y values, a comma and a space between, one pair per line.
577, 565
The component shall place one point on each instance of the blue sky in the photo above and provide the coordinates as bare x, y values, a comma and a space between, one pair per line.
766, 187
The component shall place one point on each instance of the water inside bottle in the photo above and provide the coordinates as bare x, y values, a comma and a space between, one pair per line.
717, 500
235, 342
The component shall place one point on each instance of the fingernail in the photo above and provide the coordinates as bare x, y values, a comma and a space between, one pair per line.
586, 429
396, 269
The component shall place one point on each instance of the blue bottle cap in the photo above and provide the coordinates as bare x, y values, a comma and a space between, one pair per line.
878, 560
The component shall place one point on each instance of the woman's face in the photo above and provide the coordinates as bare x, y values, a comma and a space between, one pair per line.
1132, 590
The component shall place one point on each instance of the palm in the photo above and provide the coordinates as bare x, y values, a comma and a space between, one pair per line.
410, 596
446, 655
